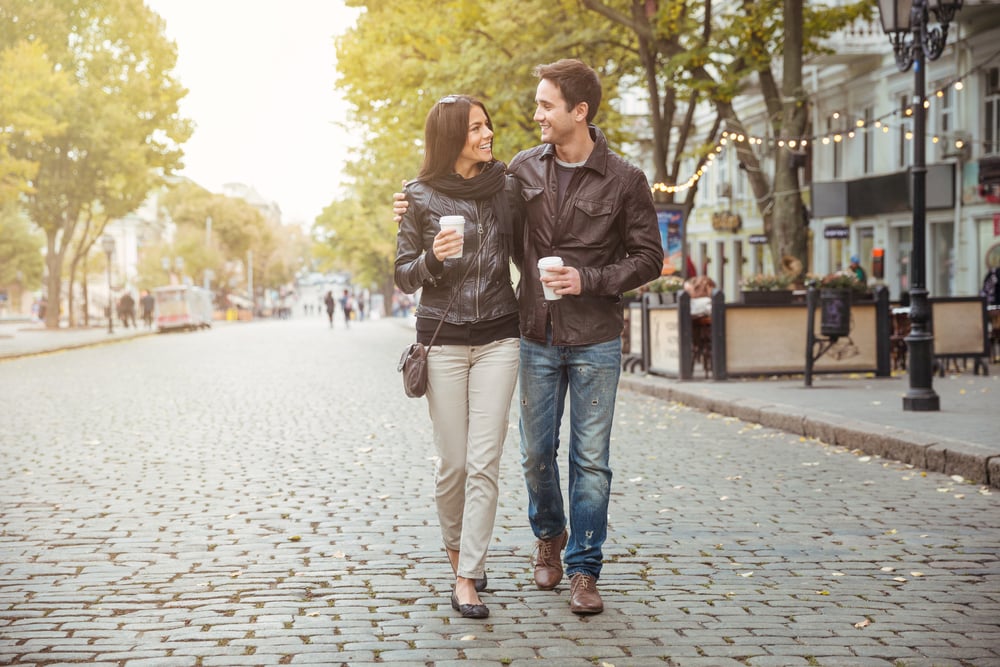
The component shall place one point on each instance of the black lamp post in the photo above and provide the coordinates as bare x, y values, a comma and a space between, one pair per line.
914, 43
108, 246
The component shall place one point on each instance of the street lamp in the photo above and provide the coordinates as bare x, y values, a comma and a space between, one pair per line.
914, 42
108, 246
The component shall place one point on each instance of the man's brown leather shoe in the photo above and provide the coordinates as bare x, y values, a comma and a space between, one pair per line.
583, 595
548, 563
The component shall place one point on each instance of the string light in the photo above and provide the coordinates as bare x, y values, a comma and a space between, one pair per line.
835, 136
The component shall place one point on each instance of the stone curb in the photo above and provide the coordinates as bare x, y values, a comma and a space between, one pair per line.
71, 346
952, 457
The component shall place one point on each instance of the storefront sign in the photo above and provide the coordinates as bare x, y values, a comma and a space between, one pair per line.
836, 232
726, 221
758, 239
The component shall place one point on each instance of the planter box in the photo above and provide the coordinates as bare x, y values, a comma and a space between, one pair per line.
766, 297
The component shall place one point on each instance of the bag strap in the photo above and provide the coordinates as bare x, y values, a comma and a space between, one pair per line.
452, 299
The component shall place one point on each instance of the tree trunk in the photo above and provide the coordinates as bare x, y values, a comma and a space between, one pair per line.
791, 237
70, 315
86, 296
53, 263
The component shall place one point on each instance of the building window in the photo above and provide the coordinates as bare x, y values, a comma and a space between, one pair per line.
945, 104
991, 112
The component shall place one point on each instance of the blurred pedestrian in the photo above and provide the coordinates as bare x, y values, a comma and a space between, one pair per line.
472, 317
148, 305
347, 305
126, 310
331, 306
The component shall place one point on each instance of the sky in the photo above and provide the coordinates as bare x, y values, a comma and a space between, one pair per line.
260, 76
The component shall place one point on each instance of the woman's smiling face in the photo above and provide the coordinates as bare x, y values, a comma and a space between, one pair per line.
478, 144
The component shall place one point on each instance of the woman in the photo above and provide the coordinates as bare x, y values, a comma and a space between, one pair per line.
472, 367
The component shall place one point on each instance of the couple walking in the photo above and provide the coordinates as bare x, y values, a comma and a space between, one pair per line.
570, 197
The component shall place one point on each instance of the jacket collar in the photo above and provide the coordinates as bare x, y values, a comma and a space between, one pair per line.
598, 160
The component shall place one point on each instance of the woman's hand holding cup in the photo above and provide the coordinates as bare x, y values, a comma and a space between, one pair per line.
450, 240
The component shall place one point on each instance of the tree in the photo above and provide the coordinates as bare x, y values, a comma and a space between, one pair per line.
222, 247
687, 62
391, 84
122, 127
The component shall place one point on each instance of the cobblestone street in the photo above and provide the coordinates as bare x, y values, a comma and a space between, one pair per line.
262, 494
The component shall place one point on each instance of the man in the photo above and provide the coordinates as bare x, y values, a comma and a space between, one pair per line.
588, 206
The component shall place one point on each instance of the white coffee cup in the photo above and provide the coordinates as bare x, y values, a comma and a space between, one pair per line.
544, 264
456, 222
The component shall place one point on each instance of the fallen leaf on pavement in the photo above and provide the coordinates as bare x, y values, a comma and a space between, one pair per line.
295, 538
862, 624
916, 574
899, 579
957, 478
888, 569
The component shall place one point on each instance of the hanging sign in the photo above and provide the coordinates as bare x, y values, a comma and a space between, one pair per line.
836, 232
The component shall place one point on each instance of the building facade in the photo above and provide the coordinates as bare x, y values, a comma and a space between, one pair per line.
855, 163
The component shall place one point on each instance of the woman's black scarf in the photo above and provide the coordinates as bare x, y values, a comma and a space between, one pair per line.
487, 184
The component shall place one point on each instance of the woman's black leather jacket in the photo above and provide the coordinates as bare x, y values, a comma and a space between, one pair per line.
487, 292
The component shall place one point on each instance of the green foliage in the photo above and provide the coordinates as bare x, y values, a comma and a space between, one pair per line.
31, 97
120, 126
20, 249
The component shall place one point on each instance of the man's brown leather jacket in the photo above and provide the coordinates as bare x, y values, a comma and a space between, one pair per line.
606, 228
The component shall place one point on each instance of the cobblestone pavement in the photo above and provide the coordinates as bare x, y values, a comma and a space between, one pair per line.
262, 495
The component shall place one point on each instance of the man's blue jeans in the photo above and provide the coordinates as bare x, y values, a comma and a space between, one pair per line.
589, 374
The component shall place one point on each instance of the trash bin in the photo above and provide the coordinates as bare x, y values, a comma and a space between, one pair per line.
835, 312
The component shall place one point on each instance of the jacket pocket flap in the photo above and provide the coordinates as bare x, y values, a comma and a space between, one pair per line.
594, 209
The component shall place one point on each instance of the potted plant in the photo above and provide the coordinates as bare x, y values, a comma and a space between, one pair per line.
766, 288
666, 288
840, 280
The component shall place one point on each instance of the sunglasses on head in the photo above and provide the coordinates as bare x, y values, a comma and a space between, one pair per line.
448, 99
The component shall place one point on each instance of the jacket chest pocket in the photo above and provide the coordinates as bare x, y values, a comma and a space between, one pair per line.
592, 224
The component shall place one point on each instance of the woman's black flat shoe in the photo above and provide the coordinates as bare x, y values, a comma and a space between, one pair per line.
468, 610
481, 584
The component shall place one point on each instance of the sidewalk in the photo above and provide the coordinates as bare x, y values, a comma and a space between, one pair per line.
851, 411
22, 338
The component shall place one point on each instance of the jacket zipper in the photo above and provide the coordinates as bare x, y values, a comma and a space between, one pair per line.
479, 259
